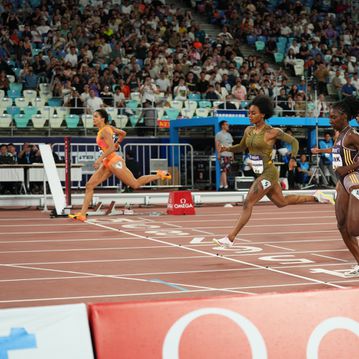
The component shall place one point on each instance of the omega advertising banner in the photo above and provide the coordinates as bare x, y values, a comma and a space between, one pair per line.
312, 325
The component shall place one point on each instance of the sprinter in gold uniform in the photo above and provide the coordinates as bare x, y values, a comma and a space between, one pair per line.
259, 139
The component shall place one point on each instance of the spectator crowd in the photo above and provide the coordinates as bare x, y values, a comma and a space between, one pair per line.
100, 53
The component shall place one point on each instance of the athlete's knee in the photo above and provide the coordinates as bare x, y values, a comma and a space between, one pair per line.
135, 185
281, 204
90, 186
248, 204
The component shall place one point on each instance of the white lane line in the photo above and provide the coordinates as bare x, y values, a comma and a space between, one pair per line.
40, 279
252, 219
96, 249
183, 228
222, 257
201, 231
311, 265
141, 259
66, 240
105, 260
43, 224
45, 232
256, 211
273, 225
159, 222
329, 257
279, 247
110, 276
153, 221
119, 295
286, 233
182, 237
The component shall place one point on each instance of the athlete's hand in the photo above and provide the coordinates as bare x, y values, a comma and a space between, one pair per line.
341, 171
97, 164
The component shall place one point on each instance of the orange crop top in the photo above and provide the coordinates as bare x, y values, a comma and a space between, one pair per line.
99, 140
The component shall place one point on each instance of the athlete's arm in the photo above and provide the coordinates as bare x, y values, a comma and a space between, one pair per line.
107, 137
120, 133
352, 140
280, 135
241, 146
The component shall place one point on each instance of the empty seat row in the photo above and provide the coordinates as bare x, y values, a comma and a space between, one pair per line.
56, 121
36, 101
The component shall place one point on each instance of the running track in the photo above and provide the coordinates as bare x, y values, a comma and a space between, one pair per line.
46, 261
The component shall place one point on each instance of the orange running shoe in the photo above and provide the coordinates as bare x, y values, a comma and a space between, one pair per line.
78, 216
164, 175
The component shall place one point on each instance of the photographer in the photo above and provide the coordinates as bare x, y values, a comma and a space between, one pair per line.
75, 103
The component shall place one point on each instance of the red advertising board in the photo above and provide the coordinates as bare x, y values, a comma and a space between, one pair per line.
180, 202
321, 324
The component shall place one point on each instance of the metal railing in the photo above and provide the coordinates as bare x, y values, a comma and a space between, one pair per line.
177, 159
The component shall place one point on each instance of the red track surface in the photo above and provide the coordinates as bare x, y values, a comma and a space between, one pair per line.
46, 261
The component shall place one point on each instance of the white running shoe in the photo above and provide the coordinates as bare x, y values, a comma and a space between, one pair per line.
323, 197
354, 272
223, 242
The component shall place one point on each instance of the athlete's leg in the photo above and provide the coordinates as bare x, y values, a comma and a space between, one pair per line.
120, 170
341, 212
276, 196
98, 177
257, 191
353, 211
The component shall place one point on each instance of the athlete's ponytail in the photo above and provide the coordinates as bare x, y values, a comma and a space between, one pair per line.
349, 106
265, 105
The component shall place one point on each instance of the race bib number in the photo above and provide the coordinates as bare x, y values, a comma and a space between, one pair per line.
355, 193
257, 164
265, 183
337, 160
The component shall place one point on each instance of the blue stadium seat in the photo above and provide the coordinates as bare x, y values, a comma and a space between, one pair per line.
16, 86
134, 120
13, 94
72, 121
132, 104
30, 110
54, 102
251, 40
194, 97
278, 57
262, 38
172, 113
205, 104
21, 121
13, 110
260, 45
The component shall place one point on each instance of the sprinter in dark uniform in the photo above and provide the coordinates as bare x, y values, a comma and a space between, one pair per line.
346, 165
259, 139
